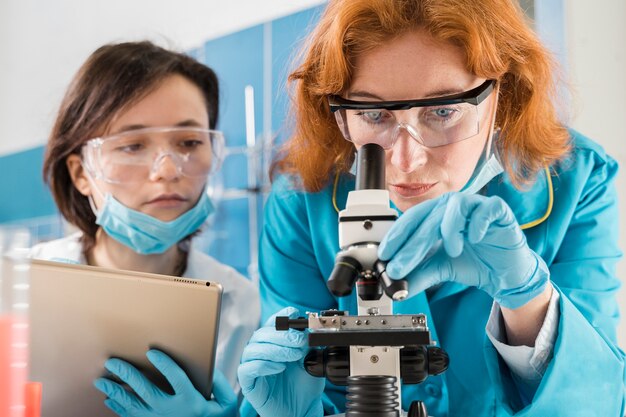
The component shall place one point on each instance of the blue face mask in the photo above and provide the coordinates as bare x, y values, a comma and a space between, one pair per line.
148, 235
486, 169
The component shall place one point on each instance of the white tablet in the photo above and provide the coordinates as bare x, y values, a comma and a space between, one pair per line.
81, 315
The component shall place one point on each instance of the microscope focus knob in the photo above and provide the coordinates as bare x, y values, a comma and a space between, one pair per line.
418, 362
413, 364
438, 360
315, 363
332, 362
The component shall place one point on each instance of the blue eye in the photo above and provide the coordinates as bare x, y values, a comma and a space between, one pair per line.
374, 116
443, 112
442, 115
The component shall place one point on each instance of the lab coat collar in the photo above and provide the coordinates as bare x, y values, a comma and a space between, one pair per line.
532, 204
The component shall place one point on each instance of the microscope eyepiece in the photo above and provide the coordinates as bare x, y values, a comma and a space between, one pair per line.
370, 173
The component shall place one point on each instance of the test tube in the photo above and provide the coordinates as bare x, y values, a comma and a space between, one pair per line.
14, 305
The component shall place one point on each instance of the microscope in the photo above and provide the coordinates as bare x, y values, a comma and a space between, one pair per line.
372, 352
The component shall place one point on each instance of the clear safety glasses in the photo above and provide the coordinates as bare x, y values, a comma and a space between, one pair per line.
432, 122
132, 156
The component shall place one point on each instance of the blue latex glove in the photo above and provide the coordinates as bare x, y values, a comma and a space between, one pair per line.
272, 374
469, 239
148, 400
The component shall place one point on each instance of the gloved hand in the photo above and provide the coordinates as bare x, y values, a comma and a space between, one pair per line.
469, 239
148, 400
272, 374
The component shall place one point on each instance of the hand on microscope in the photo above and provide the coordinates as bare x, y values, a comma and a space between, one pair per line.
272, 374
468, 239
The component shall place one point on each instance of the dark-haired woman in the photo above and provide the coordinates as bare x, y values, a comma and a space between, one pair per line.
128, 161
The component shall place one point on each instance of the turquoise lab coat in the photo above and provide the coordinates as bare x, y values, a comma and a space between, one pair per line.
569, 218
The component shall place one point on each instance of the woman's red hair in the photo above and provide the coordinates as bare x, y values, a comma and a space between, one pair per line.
498, 43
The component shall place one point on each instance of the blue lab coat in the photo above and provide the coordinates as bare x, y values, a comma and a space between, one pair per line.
570, 218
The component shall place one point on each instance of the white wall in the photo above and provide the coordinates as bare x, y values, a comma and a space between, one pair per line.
596, 57
42, 44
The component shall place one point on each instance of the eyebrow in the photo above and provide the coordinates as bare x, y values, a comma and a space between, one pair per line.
437, 93
184, 123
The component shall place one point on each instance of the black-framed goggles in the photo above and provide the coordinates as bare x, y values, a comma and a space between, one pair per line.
433, 121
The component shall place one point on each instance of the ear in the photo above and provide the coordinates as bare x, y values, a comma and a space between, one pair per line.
77, 173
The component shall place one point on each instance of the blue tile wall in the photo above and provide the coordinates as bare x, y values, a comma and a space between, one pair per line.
288, 35
241, 59
22, 190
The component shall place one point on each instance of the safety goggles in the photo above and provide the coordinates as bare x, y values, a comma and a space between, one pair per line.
134, 155
432, 122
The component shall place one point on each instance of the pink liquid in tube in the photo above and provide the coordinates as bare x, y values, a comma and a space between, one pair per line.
13, 364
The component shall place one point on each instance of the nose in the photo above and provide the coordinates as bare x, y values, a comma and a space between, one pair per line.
165, 167
407, 153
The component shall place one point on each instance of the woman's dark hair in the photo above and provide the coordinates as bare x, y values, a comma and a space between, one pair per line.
113, 78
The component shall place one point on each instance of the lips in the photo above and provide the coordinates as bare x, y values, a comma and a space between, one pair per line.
167, 200
410, 190
167, 197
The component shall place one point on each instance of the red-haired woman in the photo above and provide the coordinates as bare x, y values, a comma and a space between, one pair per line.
507, 234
